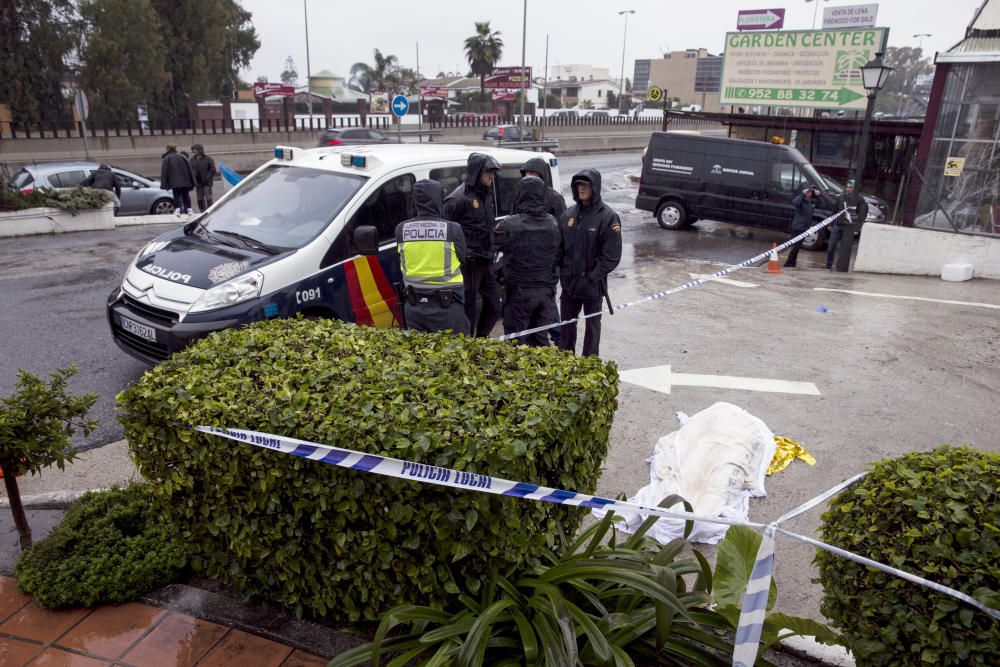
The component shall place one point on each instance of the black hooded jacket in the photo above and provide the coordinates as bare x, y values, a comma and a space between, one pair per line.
427, 196
471, 205
202, 166
103, 179
555, 205
592, 241
175, 171
530, 240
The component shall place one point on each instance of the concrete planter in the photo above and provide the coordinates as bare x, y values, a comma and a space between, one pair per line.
55, 221
924, 252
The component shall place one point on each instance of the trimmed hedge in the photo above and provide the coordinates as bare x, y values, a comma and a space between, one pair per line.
73, 200
108, 549
349, 545
936, 515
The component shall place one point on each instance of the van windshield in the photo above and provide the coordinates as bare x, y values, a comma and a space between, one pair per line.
283, 206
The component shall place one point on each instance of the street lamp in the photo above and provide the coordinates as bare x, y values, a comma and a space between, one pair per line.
921, 36
874, 75
621, 77
815, 10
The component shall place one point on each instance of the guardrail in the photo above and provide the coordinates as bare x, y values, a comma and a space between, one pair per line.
544, 144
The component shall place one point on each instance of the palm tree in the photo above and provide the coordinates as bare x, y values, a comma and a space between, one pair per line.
376, 77
483, 51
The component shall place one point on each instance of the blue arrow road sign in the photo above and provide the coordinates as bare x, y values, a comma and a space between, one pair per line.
399, 105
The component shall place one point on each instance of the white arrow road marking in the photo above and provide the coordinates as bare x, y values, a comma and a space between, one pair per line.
724, 281
661, 379
910, 298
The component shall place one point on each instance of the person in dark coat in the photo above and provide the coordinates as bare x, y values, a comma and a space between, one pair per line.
855, 215
104, 179
431, 253
592, 248
472, 205
804, 203
532, 246
204, 175
176, 175
555, 205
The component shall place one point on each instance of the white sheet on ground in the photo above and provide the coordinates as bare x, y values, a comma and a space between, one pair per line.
716, 461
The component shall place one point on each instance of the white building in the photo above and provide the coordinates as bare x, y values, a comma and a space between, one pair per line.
578, 73
579, 92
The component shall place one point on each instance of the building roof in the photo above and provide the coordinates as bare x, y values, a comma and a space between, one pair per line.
580, 83
325, 74
982, 38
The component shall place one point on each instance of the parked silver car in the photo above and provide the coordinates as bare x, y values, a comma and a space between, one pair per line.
140, 195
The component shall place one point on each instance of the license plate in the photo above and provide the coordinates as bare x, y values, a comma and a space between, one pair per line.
140, 330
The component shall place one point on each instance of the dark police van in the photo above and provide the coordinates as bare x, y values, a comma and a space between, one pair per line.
687, 177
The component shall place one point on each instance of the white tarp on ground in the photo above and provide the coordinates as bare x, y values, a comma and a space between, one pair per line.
716, 461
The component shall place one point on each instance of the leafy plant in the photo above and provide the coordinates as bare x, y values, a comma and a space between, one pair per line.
935, 514
73, 200
110, 548
36, 424
599, 603
346, 544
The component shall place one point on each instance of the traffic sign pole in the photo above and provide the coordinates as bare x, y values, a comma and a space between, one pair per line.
399, 106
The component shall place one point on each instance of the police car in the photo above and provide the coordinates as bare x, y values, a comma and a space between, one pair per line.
288, 240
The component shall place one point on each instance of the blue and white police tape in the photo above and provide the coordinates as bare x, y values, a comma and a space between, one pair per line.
471, 481
688, 285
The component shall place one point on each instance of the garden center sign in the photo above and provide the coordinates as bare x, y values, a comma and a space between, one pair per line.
799, 68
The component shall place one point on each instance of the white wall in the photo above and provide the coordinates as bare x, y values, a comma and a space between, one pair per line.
923, 252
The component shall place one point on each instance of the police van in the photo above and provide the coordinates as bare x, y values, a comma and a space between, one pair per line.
290, 238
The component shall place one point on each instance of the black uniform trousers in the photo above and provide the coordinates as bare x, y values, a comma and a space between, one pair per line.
527, 308
426, 312
482, 295
793, 254
569, 307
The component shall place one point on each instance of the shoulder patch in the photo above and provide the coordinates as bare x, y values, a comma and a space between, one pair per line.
475, 203
570, 222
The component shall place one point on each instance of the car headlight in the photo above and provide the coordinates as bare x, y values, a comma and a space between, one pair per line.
235, 291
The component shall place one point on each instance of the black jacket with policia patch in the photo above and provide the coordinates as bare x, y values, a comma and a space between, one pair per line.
592, 242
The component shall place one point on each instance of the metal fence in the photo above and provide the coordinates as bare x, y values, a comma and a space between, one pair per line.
69, 129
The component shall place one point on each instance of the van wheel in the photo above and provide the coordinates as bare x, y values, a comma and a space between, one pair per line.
671, 215
815, 241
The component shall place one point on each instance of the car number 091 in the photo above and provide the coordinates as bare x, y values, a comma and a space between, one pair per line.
307, 295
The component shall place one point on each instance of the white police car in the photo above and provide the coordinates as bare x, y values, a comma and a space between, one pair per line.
282, 242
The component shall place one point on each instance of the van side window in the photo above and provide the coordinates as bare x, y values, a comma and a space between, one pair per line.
785, 177
385, 208
449, 178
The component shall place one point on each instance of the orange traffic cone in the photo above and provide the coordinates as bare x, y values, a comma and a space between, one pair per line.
772, 264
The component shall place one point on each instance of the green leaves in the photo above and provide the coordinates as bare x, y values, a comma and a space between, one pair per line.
375, 543
733, 567
931, 513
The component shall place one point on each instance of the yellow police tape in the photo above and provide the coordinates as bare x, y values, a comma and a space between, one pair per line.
787, 451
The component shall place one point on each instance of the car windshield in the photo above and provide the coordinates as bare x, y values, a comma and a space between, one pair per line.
283, 206
832, 185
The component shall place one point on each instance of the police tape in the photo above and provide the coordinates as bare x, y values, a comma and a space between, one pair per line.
686, 286
471, 481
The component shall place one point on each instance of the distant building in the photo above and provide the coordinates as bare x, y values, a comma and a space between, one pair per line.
578, 73
324, 81
693, 75
576, 92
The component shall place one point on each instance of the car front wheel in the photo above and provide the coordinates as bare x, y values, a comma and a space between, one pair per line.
672, 215
815, 241
162, 206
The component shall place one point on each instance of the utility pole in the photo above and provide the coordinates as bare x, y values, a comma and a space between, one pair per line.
309, 92
545, 87
420, 101
524, 87
621, 78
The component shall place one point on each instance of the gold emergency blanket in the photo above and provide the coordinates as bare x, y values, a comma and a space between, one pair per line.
787, 451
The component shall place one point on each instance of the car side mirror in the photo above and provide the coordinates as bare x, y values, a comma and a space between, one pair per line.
366, 240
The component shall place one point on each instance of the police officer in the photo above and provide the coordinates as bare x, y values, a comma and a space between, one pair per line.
532, 246
472, 205
431, 253
555, 205
592, 248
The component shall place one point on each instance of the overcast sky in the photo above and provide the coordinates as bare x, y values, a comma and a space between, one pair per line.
580, 31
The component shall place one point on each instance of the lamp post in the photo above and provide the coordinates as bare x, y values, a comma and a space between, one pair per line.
815, 10
621, 77
874, 75
920, 36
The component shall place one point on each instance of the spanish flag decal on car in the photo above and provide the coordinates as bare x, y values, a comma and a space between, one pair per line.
372, 298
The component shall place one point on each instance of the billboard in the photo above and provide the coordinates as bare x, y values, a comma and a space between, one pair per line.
850, 16
506, 78
434, 91
272, 90
799, 68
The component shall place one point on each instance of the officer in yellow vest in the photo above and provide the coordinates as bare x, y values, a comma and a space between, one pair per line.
431, 253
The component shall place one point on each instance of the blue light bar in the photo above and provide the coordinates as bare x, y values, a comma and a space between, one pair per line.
553, 162
359, 161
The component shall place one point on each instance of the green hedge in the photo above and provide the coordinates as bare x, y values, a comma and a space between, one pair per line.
69, 199
349, 545
936, 515
109, 548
